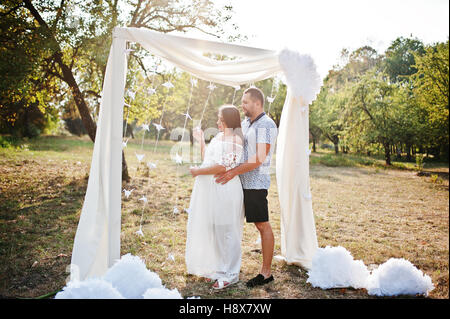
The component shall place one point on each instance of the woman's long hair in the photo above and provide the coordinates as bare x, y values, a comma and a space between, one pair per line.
232, 119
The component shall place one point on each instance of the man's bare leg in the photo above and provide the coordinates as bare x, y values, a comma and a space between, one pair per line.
267, 244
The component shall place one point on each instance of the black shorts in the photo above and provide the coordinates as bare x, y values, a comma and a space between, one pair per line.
255, 204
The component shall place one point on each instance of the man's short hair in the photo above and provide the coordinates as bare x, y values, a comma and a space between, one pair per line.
255, 94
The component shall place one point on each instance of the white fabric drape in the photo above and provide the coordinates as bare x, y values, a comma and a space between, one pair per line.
97, 241
187, 54
298, 230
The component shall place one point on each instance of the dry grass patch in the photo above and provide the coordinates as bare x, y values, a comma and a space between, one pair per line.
374, 213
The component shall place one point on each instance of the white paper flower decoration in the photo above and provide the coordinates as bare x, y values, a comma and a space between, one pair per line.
158, 127
187, 115
140, 157
132, 94
151, 165
211, 86
144, 199
140, 232
178, 159
168, 85
128, 192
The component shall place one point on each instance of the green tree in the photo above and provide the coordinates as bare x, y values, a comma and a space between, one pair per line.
330, 111
399, 58
26, 95
375, 108
279, 93
78, 36
431, 91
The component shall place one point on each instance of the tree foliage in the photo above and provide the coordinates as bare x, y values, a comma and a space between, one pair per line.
396, 101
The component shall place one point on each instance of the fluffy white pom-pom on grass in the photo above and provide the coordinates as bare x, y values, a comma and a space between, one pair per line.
334, 267
131, 277
301, 74
93, 288
398, 276
162, 293
127, 278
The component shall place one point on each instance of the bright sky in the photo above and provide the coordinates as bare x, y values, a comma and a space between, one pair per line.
322, 28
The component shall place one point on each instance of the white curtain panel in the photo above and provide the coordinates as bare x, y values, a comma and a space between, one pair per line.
97, 240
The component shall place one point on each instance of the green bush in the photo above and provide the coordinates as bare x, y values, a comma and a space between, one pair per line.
335, 160
419, 162
9, 141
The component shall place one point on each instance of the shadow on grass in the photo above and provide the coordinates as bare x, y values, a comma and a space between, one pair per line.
37, 237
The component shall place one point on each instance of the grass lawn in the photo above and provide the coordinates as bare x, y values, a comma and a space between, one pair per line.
374, 212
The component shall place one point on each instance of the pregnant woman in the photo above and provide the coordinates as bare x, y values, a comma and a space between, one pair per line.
216, 211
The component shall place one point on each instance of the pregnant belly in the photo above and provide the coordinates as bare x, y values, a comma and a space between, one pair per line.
224, 203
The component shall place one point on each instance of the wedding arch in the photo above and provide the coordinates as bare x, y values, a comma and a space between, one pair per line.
97, 240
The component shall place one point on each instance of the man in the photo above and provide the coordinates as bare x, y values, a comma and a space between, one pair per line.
260, 133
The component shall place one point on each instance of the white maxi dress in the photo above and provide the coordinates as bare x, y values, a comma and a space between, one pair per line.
216, 217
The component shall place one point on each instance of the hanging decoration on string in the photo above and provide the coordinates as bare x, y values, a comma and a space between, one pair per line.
140, 155
152, 90
178, 158
124, 143
211, 88
236, 88
152, 165
159, 127
270, 98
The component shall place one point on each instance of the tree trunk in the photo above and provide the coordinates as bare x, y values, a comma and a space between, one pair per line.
408, 152
130, 131
85, 114
314, 145
435, 151
68, 77
399, 151
445, 151
387, 153
125, 176
335, 140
